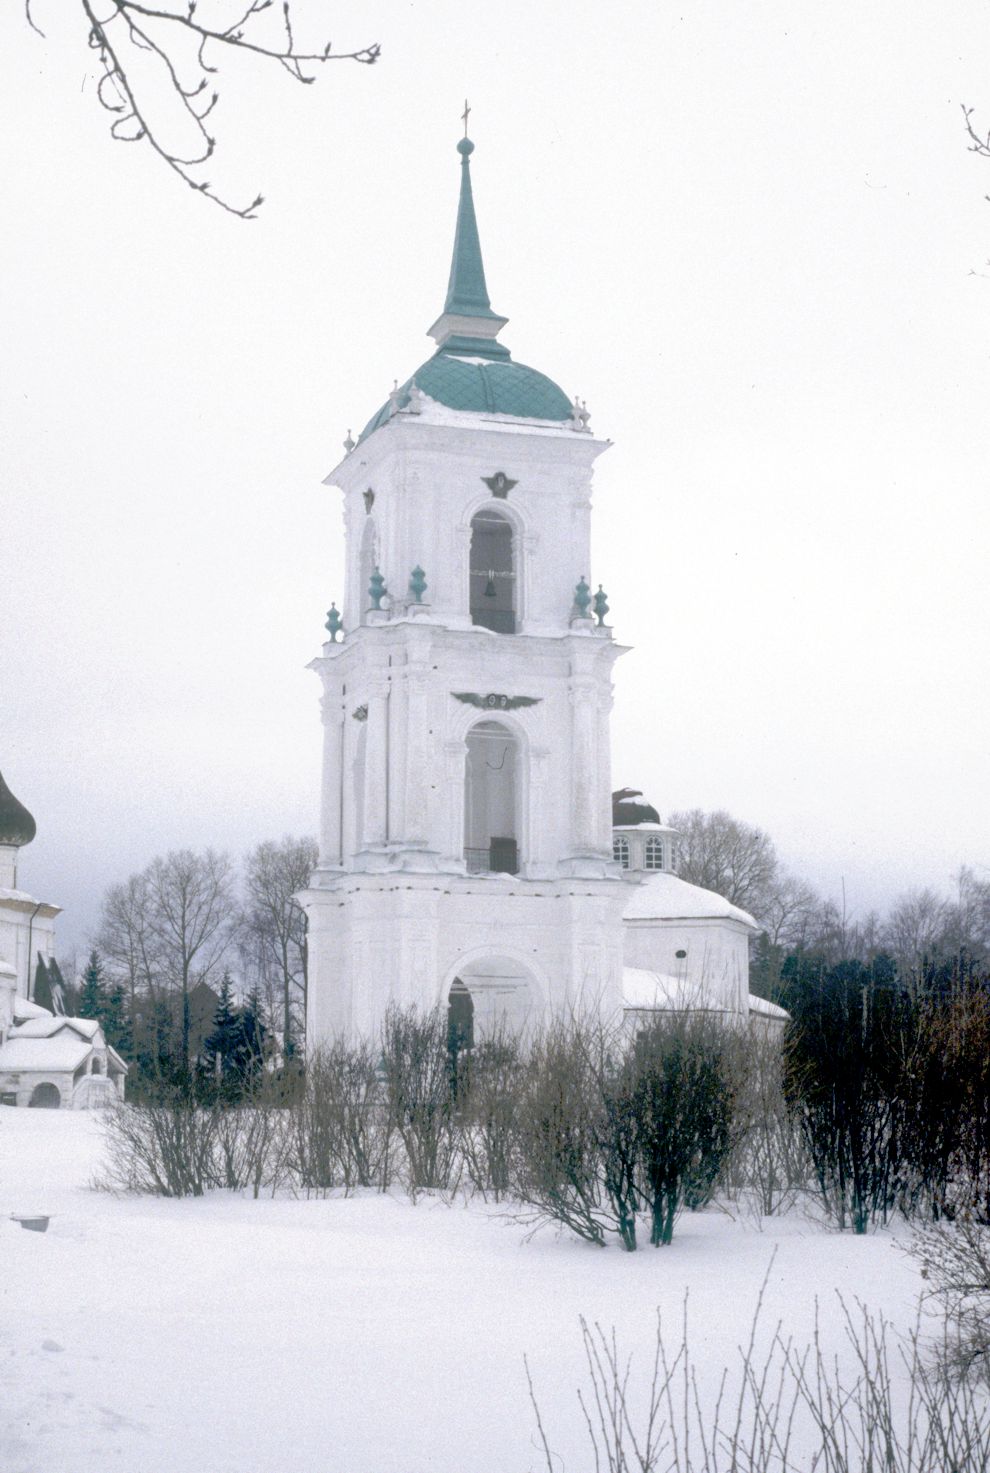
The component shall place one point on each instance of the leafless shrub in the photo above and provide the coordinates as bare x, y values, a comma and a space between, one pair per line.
559, 1168
252, 1140
419, 1095
955, 1260
491, 1073
769, 1165
876, 1408
341, 1128
173, 1147
165, 1148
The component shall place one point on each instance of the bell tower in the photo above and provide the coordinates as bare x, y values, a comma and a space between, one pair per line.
465, 835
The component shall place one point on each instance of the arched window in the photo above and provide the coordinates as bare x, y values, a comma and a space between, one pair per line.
620, 850
492, 572
491, 832
654, 854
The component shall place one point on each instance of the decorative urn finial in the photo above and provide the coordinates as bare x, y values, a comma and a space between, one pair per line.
376, 589
582, 598
334, 623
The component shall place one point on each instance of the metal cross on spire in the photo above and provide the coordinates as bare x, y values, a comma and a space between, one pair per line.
465, 115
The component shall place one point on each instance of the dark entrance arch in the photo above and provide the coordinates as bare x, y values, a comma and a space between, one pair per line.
460, 1017
45, 1097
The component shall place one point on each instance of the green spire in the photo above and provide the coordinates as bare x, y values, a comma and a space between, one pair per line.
467, 324
467, 294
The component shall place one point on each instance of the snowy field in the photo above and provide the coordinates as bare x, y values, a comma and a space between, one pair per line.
227, 1336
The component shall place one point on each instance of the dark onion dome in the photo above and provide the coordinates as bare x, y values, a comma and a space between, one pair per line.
626, 814
17, 827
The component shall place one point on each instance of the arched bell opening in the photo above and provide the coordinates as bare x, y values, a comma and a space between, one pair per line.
493, 590
491, 803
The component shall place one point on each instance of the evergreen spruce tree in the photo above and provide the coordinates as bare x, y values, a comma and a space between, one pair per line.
220, 1062
93, 995
116, 1021
251, 1053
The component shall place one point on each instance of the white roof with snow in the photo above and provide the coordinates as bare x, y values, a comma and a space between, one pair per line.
24, 1008
47, 1026
666, 897
766, 1009
61, 1054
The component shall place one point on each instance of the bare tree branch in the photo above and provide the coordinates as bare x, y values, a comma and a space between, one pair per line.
120, 28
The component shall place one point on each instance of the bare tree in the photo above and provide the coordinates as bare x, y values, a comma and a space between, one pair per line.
126, 939
192, 916
158, 63
275, 927
914, 931
723, 854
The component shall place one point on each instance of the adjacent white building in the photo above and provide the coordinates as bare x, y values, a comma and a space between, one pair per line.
45, 1060
466, 837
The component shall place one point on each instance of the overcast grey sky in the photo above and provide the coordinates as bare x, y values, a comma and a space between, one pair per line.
749, 235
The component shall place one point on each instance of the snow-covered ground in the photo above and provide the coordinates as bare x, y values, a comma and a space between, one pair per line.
227, 1336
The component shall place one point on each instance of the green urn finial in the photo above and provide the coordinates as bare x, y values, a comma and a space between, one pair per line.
376, 588
601, 606
334, 623
417, 584
582, 598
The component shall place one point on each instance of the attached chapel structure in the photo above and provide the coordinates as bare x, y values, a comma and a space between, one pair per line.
467, 849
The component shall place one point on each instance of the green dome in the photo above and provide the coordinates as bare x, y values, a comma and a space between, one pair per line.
488, 387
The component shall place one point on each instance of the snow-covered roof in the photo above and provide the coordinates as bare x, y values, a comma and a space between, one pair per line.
21, 900
24, 1009
646, 827
666, 897
61, 1054
665, 992
766, 1009
47, 1026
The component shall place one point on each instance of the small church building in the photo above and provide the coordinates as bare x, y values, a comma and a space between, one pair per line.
471, 851
46, 1058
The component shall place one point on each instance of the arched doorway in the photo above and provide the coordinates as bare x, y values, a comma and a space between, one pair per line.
460, 1017
45, 1097
489, 994
493, 575
491, 827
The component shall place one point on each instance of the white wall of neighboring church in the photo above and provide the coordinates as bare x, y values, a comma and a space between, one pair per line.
716, 960
23, 934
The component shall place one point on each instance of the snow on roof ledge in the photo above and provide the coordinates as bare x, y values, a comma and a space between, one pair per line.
25, 1009
666, 897
665, 992
766, 1009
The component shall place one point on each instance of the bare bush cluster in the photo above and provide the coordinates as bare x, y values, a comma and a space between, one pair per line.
893, 1094
173, 1146
584, 1125
879, 1407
